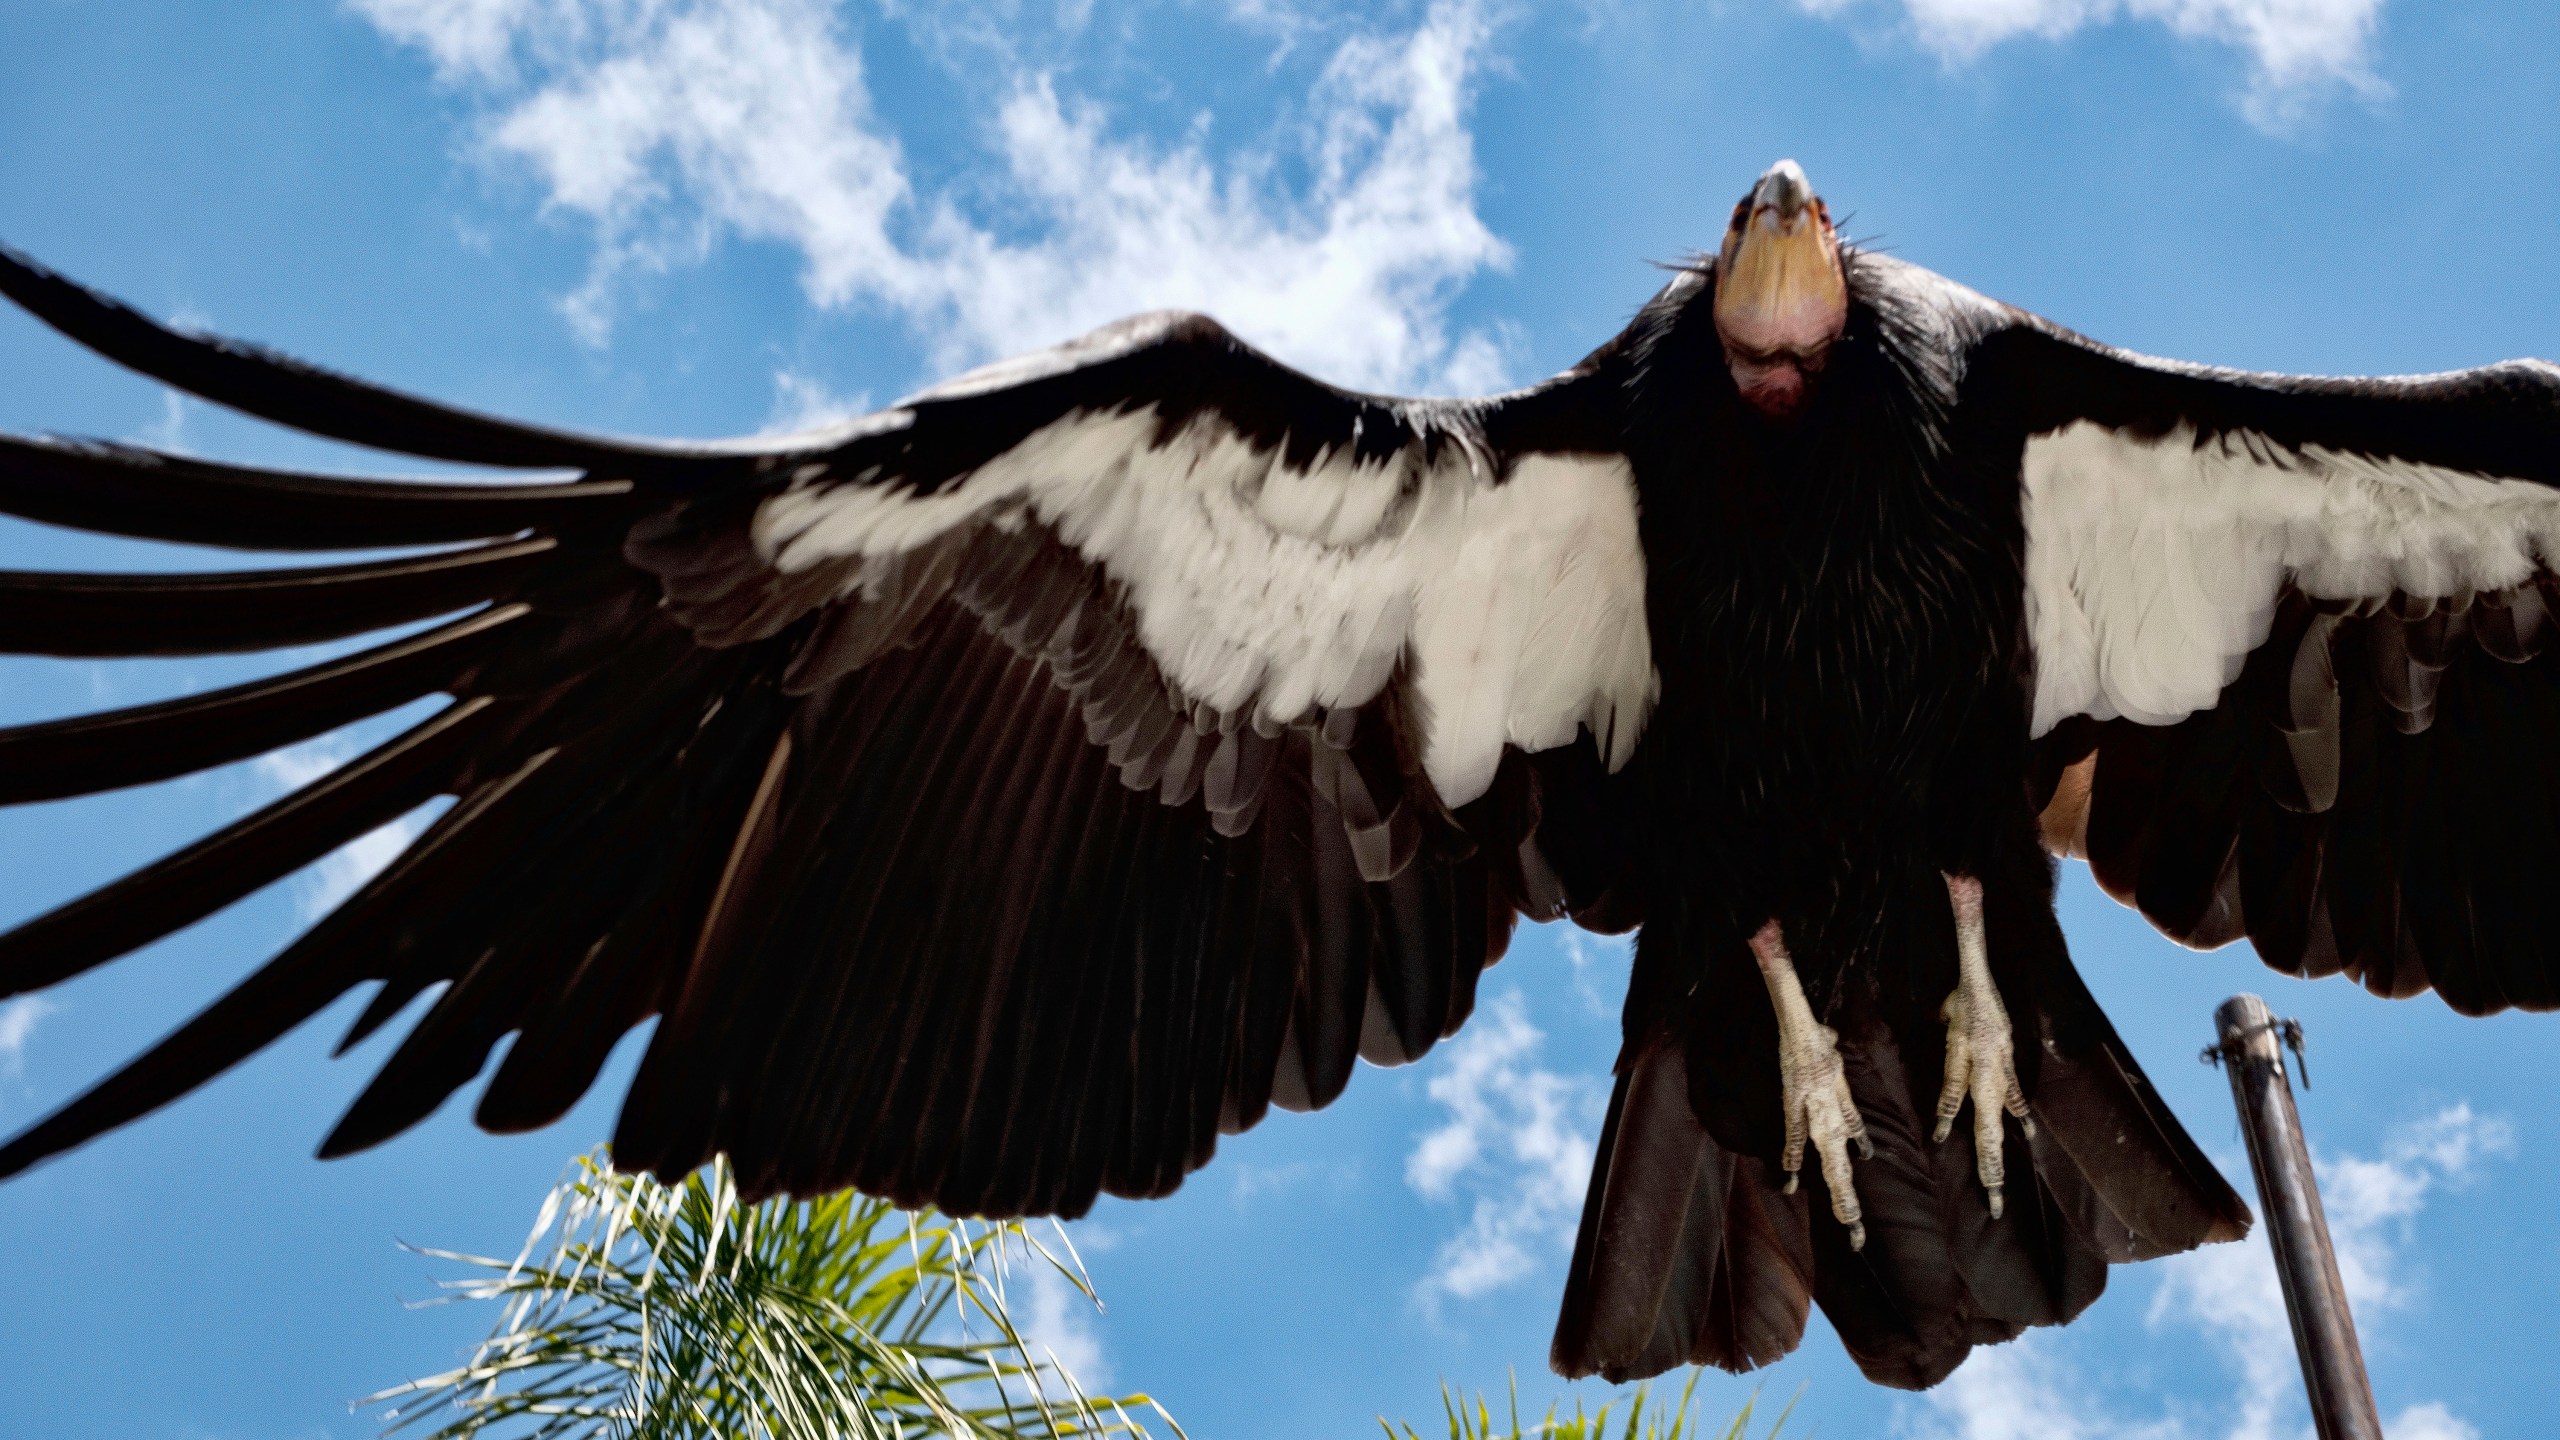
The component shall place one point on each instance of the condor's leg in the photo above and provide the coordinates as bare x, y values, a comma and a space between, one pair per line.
1812, 1086
1981, 1067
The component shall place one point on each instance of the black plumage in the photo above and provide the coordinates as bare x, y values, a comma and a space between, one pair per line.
976, 834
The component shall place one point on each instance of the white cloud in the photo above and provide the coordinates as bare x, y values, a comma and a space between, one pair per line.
1516, 1147
468, 38
1059, 1325
2299, 49
2430, 1421
669, 125
2229, 1295
298, 765
1600, 965
804, 402
977, 38
2021, 1391
18, 1019
169, 431
1250, 1184
343, 870
2230, 1291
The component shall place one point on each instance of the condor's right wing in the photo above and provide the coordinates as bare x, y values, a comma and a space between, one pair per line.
992, 799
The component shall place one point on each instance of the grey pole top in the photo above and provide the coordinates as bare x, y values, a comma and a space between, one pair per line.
2333, 1373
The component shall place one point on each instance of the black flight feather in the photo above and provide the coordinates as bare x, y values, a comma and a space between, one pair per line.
201, 614
122, 489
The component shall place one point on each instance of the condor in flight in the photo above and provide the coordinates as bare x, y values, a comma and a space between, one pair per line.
996, 799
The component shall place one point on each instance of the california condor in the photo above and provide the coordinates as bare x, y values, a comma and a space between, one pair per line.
998, 798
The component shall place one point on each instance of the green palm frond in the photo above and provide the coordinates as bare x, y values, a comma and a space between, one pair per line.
642, 1311
1647, 1417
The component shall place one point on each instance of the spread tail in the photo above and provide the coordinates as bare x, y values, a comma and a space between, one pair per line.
1689, 1253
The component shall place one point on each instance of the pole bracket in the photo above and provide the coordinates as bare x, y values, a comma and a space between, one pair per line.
2287, 1029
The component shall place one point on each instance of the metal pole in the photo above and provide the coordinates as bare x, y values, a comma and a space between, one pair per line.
2332, 1364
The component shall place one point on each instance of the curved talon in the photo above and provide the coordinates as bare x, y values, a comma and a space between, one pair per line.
1813, 1089
1981, 1066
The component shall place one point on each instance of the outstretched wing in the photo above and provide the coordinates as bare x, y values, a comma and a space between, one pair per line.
993, 799
2289, 641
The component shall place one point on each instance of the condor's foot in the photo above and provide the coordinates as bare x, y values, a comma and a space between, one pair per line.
1813, 1087
1981, 1066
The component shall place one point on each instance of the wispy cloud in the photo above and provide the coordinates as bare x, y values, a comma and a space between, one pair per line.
1060, 1322
2023, 1391
668, 127
169, 431
1516, 1149
2228, 1295
1251, 1184
2229, 1291
18, 1020
343, 870
804, 402
1600, 965
469, 39
2299, 50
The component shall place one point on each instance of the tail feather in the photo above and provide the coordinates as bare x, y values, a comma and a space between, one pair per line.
1905, 1305
2152, 1191
2143, 1187
1687, 1252
1756, 1313
1939, 1275
2014, 1270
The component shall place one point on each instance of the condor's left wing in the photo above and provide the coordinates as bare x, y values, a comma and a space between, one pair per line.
993, 799
2291, 639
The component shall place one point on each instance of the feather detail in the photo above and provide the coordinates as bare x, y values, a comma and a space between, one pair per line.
2154, 565
1259, 585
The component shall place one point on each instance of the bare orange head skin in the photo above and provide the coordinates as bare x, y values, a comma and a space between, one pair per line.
1782, 297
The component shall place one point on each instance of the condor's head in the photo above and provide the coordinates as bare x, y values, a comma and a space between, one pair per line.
1781, 295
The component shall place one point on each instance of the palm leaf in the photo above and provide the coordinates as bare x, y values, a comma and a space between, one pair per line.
658, 1312
1647, 1416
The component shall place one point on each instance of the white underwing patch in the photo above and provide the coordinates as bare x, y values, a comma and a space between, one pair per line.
2154, 567
1268, 588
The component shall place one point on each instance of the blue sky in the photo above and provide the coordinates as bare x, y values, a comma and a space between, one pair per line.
701, 217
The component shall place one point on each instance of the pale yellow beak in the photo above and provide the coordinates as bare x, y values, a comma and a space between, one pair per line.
1781, 295
1780, 291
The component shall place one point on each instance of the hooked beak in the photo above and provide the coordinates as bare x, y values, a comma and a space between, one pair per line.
1781, 295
